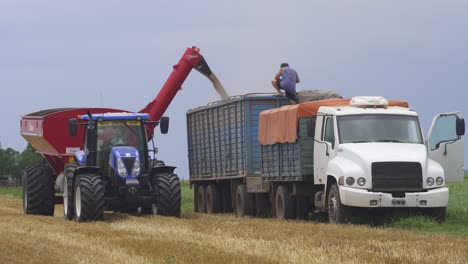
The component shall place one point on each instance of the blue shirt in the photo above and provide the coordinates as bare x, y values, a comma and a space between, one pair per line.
288, 80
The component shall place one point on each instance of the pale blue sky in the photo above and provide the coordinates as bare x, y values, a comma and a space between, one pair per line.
63, 54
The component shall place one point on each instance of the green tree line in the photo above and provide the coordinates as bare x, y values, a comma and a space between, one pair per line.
13, 162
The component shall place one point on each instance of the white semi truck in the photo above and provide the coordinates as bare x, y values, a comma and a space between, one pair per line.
332, 156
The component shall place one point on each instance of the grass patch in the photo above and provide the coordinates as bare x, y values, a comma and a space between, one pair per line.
187, 197
457, 214
12, 191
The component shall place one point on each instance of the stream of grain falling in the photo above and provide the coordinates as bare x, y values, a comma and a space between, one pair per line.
218, 86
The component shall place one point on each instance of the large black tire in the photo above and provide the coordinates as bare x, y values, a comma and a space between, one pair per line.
262, 205
89, 198
68, 210
245, 202
285, 204
166, 187
337, 212
38, 190
200, 199
438, 214
212, 199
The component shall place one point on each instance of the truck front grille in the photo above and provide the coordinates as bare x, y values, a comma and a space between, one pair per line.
396, 176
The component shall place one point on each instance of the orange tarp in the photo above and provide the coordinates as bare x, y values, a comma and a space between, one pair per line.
279, 125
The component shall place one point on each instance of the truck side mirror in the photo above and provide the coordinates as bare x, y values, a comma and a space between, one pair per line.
460, 125
72, 127
164, 124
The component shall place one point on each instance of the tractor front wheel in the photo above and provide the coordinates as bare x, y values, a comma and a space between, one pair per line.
89, 198
166, 189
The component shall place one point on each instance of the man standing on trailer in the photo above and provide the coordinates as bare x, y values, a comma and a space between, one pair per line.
286, 80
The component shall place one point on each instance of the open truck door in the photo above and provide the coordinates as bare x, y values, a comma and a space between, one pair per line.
445, 144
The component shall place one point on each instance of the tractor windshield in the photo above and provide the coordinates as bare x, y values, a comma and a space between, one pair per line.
120, 133
114, 133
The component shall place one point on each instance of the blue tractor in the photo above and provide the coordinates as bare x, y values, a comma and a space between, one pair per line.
117, 171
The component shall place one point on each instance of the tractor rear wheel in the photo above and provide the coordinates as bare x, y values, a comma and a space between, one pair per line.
89, 198
38, 190
166, 189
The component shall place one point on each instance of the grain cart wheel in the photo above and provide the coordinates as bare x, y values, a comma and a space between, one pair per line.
285, 204
201, 198
262, 205
38, 190
89, 197
438, 214
212, 199
337, 212
245, 202
68, 191
166, 188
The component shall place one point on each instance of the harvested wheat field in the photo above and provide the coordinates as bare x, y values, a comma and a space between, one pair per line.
197, 238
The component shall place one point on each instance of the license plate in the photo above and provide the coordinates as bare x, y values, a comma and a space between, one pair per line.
398, 202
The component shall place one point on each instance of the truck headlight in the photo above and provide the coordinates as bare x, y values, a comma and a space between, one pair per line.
361, 181
350, 181
121, 168
439, 180
136, 168
430, 181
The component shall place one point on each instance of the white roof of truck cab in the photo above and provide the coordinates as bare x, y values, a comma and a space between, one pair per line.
354, 110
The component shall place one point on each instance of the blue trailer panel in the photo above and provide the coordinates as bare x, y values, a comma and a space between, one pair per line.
223, 137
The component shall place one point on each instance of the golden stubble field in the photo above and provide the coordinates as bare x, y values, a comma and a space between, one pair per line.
197, 238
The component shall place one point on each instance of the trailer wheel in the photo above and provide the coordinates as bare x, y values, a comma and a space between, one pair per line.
262, 205
200, 199
438, 214
337, 212
167, 191
68, 191
245, 202
38, 190
89, 198
284, 203
212, 199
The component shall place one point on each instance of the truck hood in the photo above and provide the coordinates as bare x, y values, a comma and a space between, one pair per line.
367, 153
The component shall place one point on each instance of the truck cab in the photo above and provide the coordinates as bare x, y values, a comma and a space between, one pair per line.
369, 155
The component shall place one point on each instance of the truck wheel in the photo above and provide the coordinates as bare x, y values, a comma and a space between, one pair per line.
337, 212
89, 198
68, 191
167, 191
284, 204
38, 190
244, 202
213, 200
262, 205
438, 214
201, 199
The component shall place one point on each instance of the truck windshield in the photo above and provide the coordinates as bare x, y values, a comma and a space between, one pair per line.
379, 128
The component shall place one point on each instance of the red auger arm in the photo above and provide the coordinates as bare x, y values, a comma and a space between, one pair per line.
190, 59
